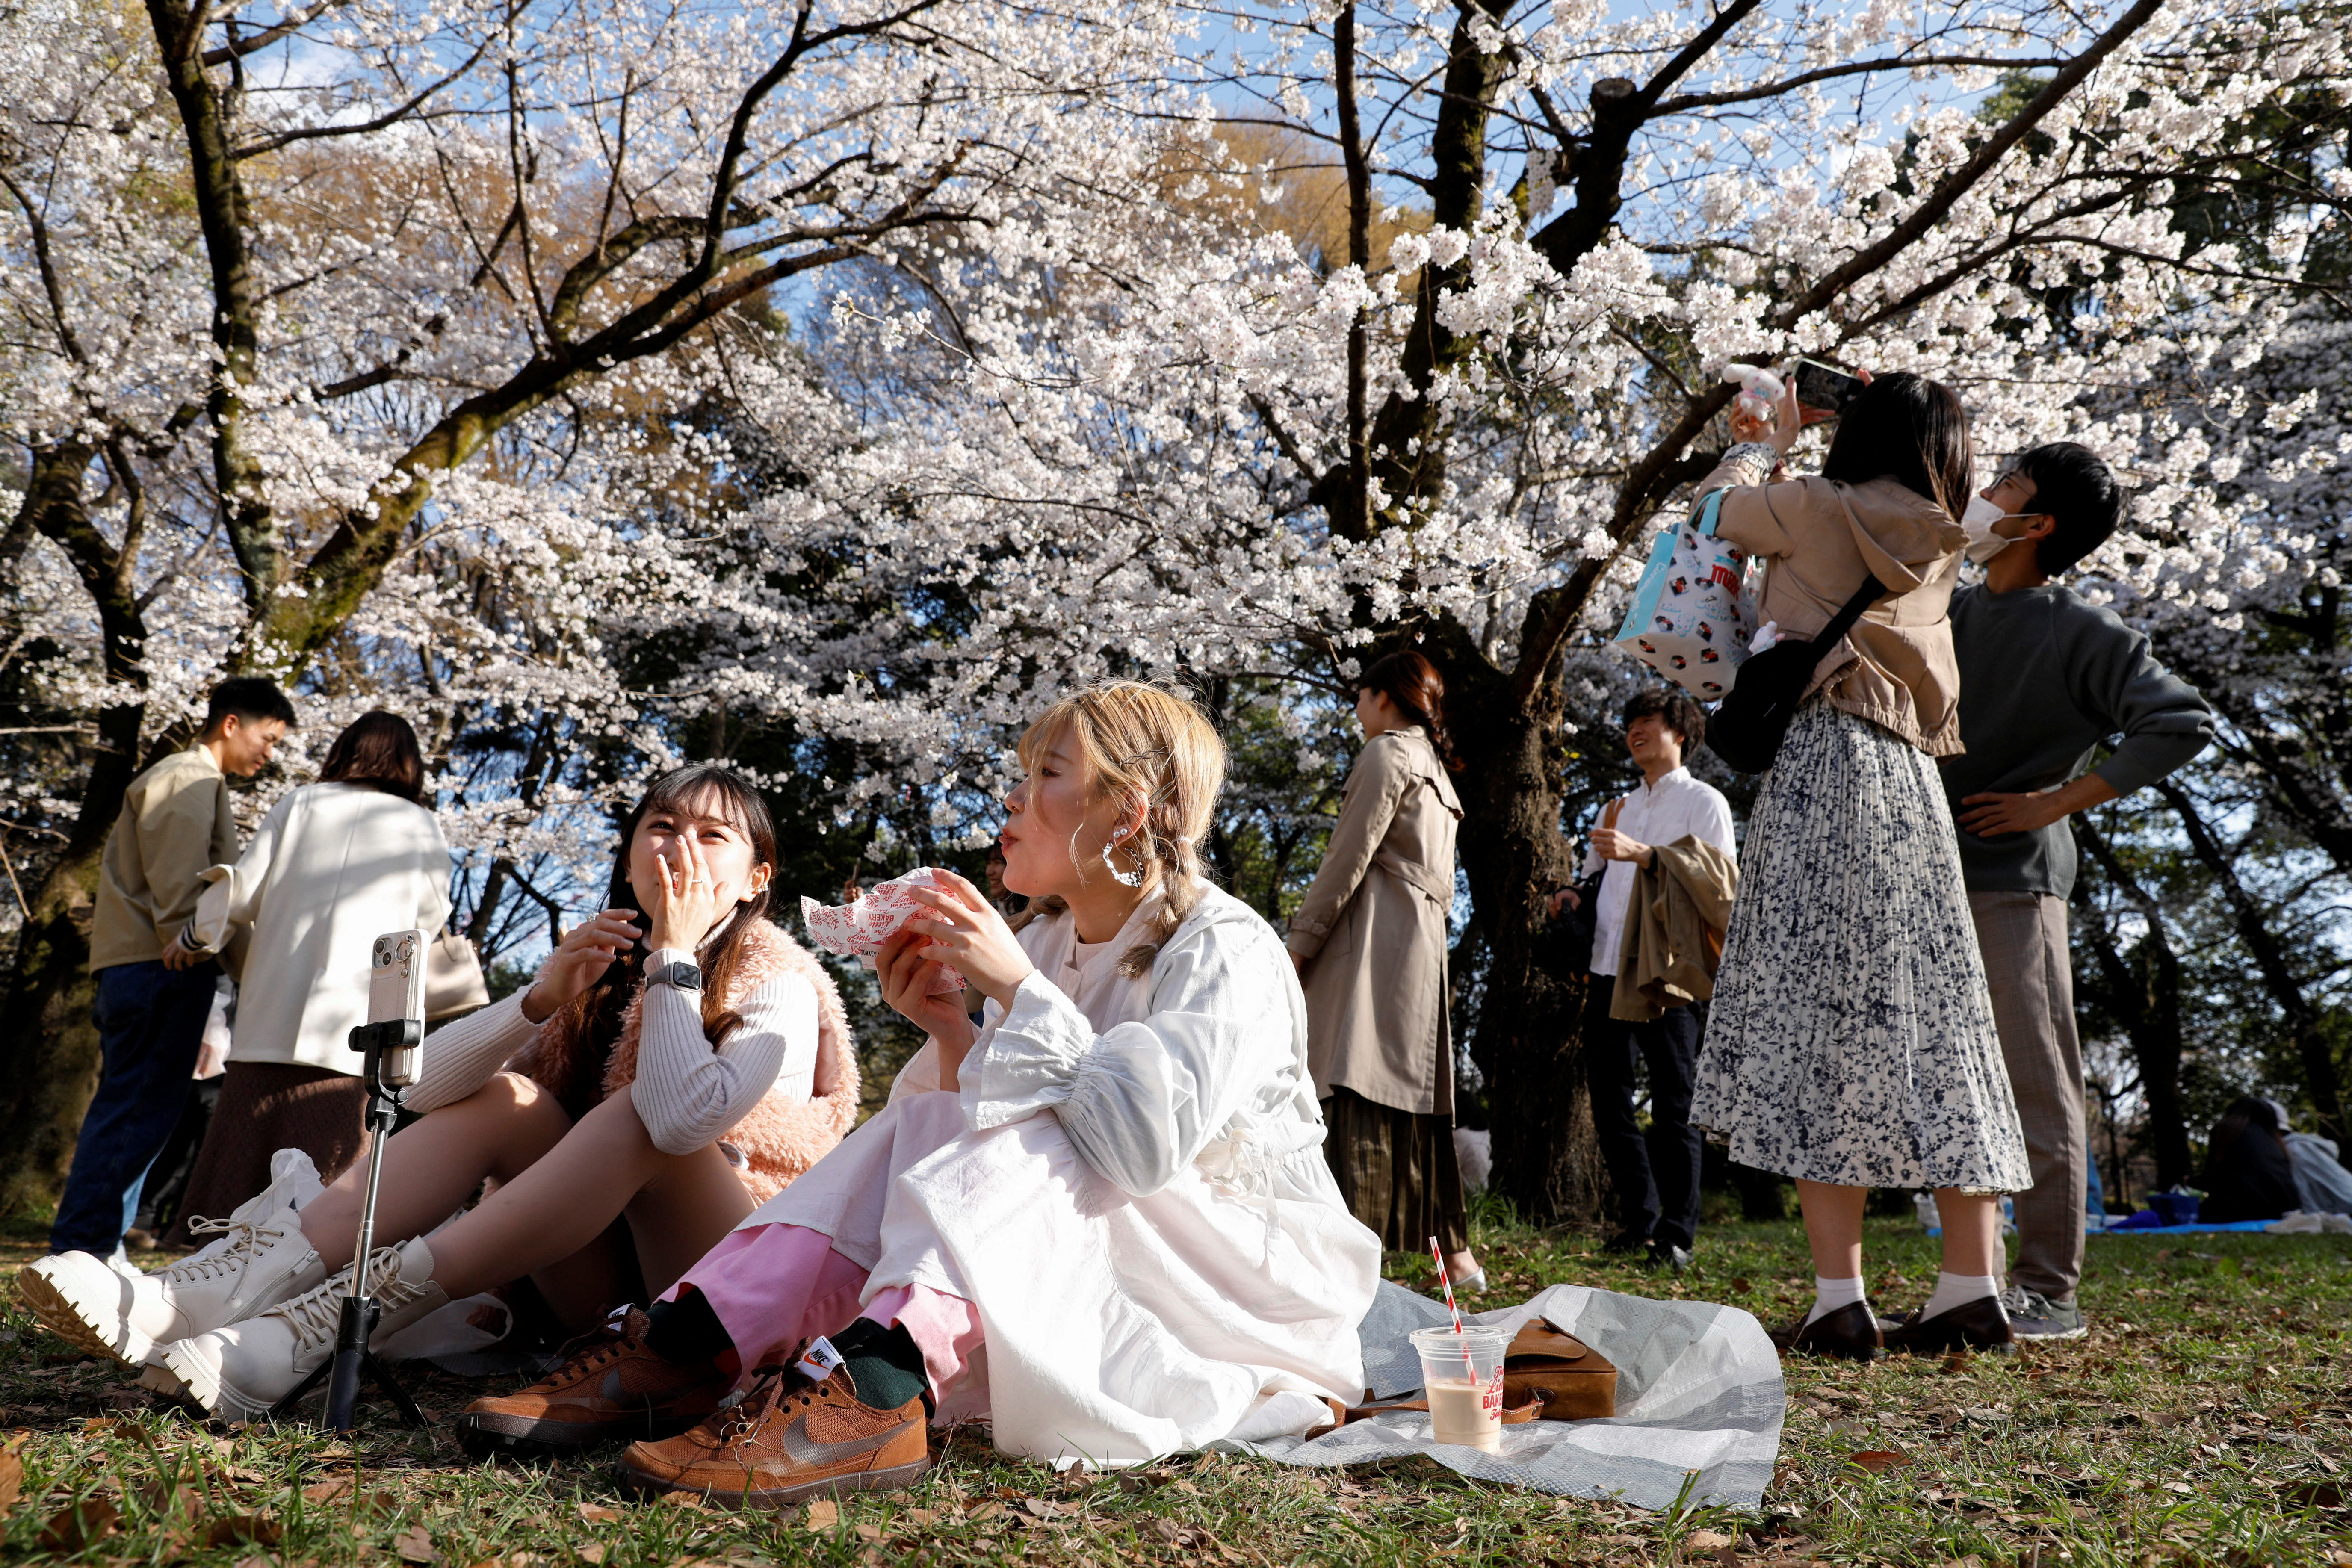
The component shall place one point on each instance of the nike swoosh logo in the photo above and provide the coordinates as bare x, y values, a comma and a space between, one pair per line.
805, 1450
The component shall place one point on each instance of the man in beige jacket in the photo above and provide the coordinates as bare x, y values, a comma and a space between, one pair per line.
153, 993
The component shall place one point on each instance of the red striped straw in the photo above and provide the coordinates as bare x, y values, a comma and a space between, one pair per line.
1446, 1280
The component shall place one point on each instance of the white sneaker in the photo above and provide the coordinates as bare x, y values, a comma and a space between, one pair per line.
239, 1371
262, 1258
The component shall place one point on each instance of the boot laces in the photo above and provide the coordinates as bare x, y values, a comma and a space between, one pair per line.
316, 1313
244, 1238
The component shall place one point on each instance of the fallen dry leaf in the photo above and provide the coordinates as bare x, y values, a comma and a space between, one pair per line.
920, 1516
1879, 1460
12, 1480
869, 1533
682, 1500
334, 1491
592, 1554
985, 1511
824, 1514
2316, 1494
415, 1545
597, 1513
1707, 1540
487, 1563
76, 1528
259, 1529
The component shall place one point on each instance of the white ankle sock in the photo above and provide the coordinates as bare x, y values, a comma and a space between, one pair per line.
1957, 1290
1829, 1295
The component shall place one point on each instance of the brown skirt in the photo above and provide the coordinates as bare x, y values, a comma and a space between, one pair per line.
266, 1107
1396, 1171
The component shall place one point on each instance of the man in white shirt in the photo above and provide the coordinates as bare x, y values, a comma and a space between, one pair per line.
1657, 1182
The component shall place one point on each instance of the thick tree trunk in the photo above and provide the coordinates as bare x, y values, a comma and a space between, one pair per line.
1530, 1043
48, 1055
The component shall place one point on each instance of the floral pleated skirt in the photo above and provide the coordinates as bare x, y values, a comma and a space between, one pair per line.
1850, 1038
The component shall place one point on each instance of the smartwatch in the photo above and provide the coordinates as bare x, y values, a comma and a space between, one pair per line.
683, 975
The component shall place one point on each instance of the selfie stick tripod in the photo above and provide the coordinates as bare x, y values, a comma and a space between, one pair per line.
361, 1310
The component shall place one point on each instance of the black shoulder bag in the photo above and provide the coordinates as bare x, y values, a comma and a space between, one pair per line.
1747, 727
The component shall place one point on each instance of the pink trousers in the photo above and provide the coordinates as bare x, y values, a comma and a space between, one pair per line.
775, 1287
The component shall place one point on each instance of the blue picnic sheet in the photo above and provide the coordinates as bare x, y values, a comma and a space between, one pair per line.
2201, 1226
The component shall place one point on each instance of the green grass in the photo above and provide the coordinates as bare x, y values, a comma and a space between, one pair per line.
2206, 1419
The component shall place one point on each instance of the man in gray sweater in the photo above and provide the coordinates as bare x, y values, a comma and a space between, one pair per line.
2045, 678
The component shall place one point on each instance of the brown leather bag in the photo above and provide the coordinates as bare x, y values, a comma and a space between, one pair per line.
1565, 1377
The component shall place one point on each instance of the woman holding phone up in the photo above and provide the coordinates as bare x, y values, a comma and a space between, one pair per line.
1850, 1043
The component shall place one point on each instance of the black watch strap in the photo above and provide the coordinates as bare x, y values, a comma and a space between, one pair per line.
683, 975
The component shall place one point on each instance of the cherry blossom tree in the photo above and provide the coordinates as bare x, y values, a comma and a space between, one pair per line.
825, 386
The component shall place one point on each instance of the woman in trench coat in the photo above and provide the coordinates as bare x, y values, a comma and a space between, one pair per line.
1369, 941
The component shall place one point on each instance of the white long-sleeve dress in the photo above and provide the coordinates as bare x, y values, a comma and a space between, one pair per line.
1129, 1187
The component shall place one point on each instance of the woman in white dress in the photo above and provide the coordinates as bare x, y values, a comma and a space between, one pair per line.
334, 866
1101, 1218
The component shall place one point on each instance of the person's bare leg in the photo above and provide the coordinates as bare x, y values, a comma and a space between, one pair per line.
1833, 1227
433, 1167
1972, 1232
581, 1288
561, 1204
683, 1213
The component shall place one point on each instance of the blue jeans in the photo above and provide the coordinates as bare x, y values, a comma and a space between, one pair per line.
150, 1024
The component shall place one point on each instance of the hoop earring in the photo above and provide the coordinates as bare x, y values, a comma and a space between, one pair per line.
1126, 878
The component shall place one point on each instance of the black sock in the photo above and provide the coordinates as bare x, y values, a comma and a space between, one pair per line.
687, 1330
884, 1364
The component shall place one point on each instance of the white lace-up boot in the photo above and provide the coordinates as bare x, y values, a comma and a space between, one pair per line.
238, 1372
260, 1258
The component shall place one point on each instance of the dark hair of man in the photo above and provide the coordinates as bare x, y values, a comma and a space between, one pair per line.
2080, 493
251, 698
379, 750
1408, 679
1678, 708
595, 1016
1909, 430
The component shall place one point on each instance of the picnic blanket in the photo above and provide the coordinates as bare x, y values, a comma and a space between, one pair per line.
1698, 1392
2201, 1228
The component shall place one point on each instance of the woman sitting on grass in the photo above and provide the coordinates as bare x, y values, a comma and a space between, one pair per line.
1101, 1216
624, 1082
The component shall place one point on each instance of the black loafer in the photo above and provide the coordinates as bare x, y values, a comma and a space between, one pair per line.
1979, 1326
1849, 1333
1666, 1256
1623, 1242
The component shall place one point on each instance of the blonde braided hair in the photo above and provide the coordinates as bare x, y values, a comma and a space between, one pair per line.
1151, 751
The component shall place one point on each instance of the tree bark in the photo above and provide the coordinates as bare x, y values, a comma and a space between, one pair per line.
51, 1056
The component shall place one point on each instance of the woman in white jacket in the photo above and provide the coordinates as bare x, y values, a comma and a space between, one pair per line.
334, 866
1101, 1216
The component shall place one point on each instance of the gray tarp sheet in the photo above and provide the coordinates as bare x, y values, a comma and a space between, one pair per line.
1699, 1396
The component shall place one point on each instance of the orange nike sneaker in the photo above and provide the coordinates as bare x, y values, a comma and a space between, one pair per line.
614, 1390
786, 1440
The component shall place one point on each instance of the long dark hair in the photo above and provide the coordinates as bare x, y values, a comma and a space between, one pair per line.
1408, 679
379, 751
1909, 430
596, 1012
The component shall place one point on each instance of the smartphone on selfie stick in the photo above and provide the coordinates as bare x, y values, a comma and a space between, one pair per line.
390, 1043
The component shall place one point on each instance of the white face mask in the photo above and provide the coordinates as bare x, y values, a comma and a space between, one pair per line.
1977, 521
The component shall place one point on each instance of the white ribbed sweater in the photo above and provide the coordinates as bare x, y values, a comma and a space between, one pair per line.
687, 1092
